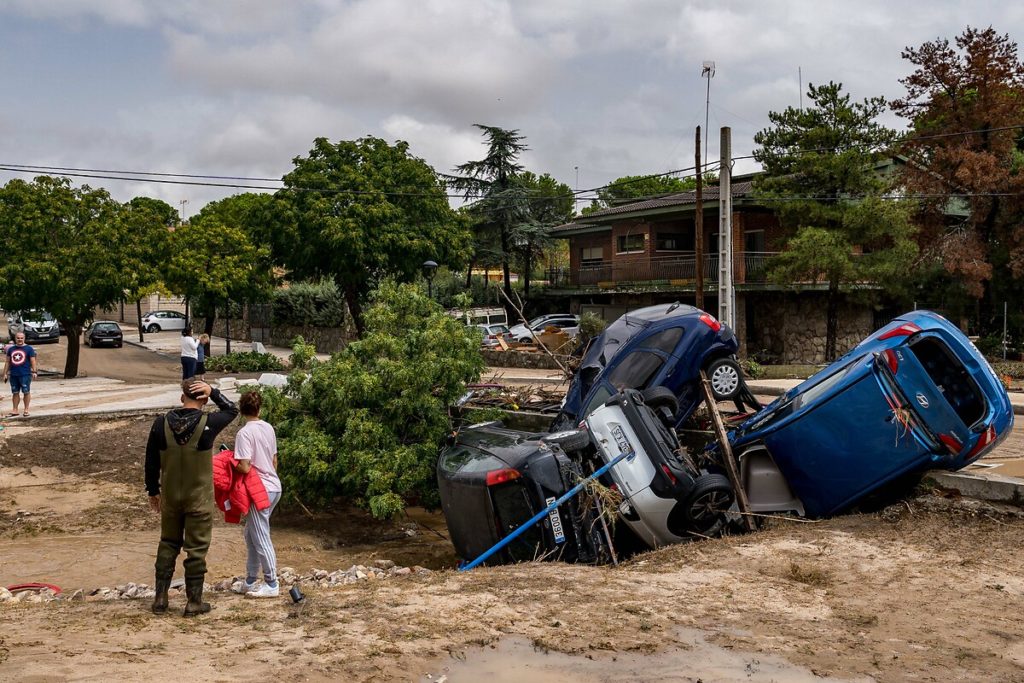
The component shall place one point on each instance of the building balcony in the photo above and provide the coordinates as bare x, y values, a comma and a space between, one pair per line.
677, 270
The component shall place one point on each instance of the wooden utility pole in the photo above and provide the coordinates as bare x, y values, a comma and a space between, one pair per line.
698, 227
728, 460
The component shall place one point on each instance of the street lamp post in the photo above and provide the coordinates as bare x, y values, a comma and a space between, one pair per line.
429, 267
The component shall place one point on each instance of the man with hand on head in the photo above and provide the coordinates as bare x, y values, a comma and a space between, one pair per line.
179, 479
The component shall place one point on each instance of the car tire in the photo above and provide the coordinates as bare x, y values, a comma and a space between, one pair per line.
706, 505
661, 397
726, 379
153, 329
570, 441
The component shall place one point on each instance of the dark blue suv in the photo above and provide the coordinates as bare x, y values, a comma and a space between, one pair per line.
665, 345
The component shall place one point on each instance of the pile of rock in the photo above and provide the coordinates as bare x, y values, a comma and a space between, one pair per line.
380, 569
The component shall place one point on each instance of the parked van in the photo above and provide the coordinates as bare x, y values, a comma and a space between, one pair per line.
480, 316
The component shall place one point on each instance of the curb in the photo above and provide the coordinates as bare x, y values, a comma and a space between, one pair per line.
993, 488
151, 350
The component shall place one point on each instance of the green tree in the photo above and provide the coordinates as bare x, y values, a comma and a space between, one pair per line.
966, 150
210, 261
150, 220
363, 210
549, 203
368, 423
69, 250
633, 188
820, 177
252, 214
501, 203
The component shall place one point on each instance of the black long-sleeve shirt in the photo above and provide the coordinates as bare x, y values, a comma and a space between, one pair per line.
183, 423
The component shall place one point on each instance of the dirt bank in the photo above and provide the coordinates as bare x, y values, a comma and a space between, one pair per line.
927, 590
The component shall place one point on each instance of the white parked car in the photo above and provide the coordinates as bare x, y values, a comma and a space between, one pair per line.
161, 321
491, 334
570, 324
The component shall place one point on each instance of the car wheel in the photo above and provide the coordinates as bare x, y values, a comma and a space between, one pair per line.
571, 441
726, 379
706, 505
152, 329
661, 397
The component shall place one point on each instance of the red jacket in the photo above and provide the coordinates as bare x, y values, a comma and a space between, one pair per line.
233, 491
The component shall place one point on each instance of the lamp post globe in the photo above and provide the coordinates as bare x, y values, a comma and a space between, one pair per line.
429, 267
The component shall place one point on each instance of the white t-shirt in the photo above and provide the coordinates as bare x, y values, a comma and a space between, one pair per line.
189, 347
257, 442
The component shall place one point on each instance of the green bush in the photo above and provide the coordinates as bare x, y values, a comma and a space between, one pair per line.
368, 423
752, 369
303, 355
591, 325
244, 361
309, 304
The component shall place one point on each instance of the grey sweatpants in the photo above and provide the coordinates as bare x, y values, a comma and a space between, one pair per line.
257, 540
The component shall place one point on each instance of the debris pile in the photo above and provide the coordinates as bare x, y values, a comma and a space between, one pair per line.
379, 569
540, 399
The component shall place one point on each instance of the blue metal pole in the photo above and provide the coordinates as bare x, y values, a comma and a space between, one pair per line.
543, 513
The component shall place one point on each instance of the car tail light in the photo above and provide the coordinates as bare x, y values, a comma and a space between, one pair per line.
495, 477
952, 443
984, 440
710, 321
904, 330
668, 473
894, 363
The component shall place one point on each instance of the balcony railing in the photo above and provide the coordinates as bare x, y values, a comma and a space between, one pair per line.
749, 266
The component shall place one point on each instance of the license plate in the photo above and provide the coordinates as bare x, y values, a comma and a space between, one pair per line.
556, 522
622, 442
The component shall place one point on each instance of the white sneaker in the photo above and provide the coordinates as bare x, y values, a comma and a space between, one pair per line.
243, 587
265, 591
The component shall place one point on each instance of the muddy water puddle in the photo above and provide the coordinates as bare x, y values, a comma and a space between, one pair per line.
515, 659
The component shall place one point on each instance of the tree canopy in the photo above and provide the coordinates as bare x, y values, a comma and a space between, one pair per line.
71, 250
964, 102
820, 177
636, 187
361, 210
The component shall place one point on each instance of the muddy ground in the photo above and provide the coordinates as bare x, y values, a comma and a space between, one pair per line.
929, 590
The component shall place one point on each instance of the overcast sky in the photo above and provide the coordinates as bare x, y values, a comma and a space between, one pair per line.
611, 87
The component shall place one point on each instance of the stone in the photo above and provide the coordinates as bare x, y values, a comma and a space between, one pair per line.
319, 574
5, 595
383, 564
236, 587
360, 575
223, 585
147, 594
33, 597
403, 571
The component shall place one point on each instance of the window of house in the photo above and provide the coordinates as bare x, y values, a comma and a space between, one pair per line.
590, 256
629, 244
674, 241
753, 240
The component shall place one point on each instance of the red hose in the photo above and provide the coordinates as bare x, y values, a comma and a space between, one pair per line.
18, 587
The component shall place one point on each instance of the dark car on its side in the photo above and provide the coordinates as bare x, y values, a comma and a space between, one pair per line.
494, 479
103, 333
665, 345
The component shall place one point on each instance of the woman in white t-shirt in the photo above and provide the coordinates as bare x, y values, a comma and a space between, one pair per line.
256, 448
189, 354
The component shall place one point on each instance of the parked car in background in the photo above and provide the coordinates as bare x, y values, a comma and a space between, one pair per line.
480, 316
914, 396
568, 323
103, 333
161, 321
492, 333
664, 345
493, 479
38, 326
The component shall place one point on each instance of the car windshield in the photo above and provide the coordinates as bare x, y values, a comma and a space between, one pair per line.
39, 316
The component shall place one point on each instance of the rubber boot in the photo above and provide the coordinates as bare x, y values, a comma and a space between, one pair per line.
160, 599
194, 591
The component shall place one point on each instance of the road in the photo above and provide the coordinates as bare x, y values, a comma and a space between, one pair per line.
128, 363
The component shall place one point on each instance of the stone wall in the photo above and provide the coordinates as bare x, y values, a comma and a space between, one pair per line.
791, 328
326, 339
518, 359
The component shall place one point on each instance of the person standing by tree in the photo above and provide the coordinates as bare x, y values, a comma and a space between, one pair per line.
256, 448
20, 369
189, 354
204, 340
179, 480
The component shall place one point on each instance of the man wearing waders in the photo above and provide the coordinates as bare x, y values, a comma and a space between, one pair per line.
179, 479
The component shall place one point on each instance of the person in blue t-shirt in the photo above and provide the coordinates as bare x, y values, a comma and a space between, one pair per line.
20, 369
